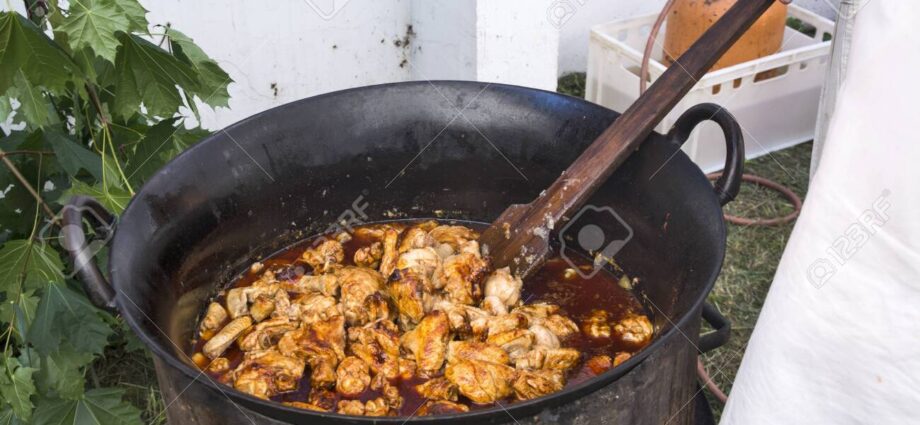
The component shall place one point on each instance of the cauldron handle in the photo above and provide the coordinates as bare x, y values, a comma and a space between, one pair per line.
729, 183
73, 239
721, 333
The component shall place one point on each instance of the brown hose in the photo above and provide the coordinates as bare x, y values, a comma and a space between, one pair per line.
769, 184
708, 382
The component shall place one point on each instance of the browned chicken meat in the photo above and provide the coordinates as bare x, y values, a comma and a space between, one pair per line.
441, 407
533, 384
438, 389
395, 306
481, 381
356, 284
266, 373
597, 325
634, 328
352, 377
428, 342
324, 256
378, 345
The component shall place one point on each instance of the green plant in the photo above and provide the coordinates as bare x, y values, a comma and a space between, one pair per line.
96, 96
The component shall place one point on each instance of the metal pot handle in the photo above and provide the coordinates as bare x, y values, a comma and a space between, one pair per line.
721, 334
729, 183
73, 240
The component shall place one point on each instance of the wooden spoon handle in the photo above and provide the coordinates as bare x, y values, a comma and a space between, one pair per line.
512, 240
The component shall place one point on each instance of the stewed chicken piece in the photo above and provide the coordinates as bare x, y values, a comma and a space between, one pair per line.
352, 377
369, 256
266, 334
214, 319
356, 284
504, 287
406, 287
322, 344
481, 381
533, 384
375, 407
438, 389
324, 256
560, 359
475, 350
313, 307
428, 342
596, 325
266, 373
326, 284
378, 345
422, 261
460, 275
219, 342
441, 407
516, 341
390, 252
454, 236
417, 237
634, 328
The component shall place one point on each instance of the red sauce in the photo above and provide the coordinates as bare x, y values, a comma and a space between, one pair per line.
576, 296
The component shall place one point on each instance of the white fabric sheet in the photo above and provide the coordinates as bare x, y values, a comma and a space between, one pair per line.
838, 340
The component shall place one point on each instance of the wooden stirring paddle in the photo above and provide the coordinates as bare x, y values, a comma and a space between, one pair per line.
519, 237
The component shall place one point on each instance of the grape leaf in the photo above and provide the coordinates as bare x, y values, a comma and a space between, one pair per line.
72, 156
213, 79
7, 417
145, 73
93, 24
101, 406
25, 264
113, 198
33, 104
20, 312
17, 387
24, 47
6, 108
134, 12
58, 374
66, 321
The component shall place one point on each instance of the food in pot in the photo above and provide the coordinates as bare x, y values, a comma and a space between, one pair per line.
403, 318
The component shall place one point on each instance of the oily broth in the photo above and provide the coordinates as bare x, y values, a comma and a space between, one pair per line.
575, 296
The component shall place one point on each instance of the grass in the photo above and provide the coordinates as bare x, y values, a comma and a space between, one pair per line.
750, 262
752, 253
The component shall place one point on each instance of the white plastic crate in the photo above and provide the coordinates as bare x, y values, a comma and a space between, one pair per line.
776, 109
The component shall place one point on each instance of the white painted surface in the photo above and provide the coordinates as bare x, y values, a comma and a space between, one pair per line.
576, 17
281, 51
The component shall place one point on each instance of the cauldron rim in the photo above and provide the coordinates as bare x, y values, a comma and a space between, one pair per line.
279, 411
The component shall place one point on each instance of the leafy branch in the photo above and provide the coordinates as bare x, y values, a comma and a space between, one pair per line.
91, 104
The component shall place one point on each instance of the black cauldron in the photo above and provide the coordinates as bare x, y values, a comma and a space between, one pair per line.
458, 150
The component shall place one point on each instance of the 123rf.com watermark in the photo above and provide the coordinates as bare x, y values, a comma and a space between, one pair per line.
848, 244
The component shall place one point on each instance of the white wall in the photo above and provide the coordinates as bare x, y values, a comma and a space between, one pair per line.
576, 17
284, 50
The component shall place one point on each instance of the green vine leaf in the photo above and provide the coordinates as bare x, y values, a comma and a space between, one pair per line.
101, 406
93, 23
113, 198
19, 311
25, 264
145, 73
24, 47
17, 387
66, 321
58, 374
134, 12
72, 156
7, 417
33, 104
214, 80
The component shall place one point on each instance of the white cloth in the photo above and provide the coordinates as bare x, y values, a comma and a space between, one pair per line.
838, 340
